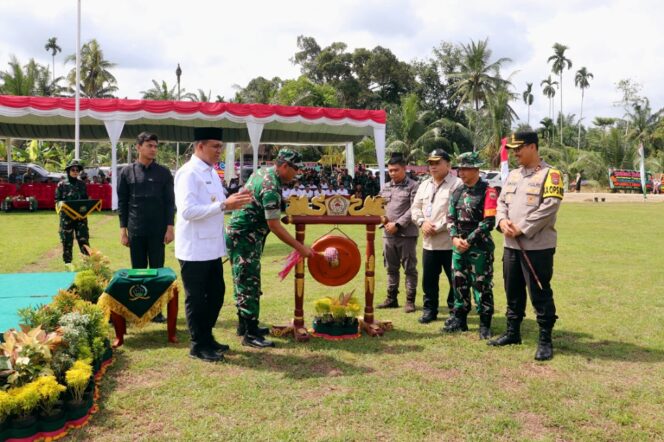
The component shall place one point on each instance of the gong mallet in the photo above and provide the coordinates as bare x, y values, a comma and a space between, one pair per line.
530, 264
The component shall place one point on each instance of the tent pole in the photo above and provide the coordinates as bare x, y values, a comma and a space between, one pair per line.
9, 156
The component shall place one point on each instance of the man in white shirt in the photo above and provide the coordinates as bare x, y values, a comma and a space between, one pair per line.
429, 212
342, 190
199, 240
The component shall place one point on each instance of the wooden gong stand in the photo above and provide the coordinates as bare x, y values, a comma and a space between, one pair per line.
335, 210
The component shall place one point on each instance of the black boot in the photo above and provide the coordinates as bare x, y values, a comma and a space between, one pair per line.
449, 318
456, 324
511, 336
242, 329
390, 302
252, 338
485, 326
544, 345
216, 346
427, 317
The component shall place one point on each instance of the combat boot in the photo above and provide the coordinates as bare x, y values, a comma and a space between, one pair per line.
449, 318
242, 328
485, 326
511, 336
427, 317
252, 338
456, 324
544, 345
410, 303
390, 302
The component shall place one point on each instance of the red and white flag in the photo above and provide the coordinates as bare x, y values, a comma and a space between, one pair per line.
504, 161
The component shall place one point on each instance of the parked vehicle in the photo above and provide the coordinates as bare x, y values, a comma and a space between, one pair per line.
39, 174
493, 178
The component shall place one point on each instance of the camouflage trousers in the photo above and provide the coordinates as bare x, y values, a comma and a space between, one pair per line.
473, 271
245, 255
70, 228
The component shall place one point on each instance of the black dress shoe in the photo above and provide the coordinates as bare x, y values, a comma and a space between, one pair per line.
206, 354
256, 341
159, 319
427, 318
242, 329
219, 347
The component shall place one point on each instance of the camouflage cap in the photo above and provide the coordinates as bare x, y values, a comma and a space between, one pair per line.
74, 163
469, 160
291, 157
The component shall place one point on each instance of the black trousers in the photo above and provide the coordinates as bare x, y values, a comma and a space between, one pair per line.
147, 251
517, 277
433, 264
204, 288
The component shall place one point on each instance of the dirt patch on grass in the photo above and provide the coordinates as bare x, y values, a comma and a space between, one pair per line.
42, 262
533, 426
427, 371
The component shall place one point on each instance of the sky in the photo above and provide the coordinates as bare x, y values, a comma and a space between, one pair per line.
221, 44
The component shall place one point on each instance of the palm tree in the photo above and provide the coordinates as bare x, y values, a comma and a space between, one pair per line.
96, 79
528, 98
550, 91
200, 96
559, 63
161, 92
582, 80
643, 122
478, 78
500, 116
52, 45
19, 80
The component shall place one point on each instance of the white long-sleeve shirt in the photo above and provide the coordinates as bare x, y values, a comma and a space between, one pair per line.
199, 226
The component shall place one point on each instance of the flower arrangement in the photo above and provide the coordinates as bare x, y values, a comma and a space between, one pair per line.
337, 316
26, 355
88, 286
78, 378
98, 263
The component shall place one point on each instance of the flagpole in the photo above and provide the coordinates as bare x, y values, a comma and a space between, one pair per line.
77, 111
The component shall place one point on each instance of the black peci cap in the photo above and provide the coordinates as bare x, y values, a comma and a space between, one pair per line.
208, 133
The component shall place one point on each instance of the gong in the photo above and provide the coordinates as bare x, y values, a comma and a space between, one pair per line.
340, 270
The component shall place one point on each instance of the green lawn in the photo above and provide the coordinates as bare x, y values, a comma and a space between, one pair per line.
605, 382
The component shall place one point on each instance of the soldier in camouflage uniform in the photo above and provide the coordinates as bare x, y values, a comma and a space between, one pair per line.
470, 219
245, 238
71, 189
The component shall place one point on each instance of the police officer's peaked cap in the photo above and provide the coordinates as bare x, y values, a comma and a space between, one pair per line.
438, 154
208, 133
519, 139
291, 157
470, 160
74, 163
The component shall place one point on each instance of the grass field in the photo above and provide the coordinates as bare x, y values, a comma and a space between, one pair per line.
605, 382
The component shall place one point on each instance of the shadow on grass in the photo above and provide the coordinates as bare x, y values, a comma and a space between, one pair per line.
586, 345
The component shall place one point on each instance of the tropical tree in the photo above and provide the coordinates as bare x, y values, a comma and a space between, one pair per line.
604, 122
304, 92
528, 98
549, 91
582, 81
161, 92
19, 80
416, 132
52, 46
96, 78
559, 64
643, 122
478, 77
199, 96
258, 90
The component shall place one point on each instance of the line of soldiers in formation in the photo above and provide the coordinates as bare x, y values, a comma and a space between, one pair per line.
456, 216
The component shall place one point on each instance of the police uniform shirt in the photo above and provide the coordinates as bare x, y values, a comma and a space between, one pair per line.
199, 197
430, 204
531, 199
398, 200
146, 203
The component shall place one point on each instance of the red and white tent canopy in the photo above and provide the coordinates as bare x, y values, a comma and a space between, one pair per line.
117, 119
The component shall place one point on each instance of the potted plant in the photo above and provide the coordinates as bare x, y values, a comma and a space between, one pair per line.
7, 405
52, 416
78, 378
26, 400
336, 317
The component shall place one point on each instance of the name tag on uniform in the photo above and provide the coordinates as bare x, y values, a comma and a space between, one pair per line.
213, 198
428, 210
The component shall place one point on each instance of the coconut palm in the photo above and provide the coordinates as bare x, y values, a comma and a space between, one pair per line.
582, 81
19, 80
550, 91
200, 96
528, 98
643, 122
478, 78
161, 92
96, 78
52, 45
560, 62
